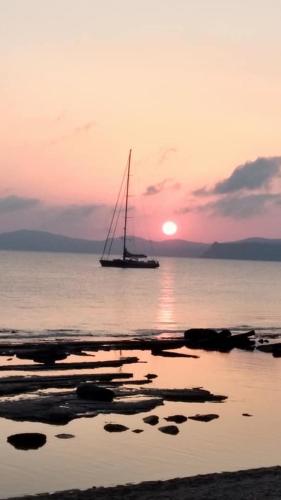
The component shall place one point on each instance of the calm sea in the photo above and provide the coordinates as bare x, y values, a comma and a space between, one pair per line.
48, 295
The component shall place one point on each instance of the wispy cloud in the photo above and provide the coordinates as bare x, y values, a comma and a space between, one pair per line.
85, 128
14, 203
165, 153
166, 184
241, 206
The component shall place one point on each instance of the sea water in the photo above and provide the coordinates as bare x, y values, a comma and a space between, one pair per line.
48, 296
51, 294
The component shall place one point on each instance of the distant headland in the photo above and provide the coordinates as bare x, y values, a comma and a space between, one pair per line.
42, 241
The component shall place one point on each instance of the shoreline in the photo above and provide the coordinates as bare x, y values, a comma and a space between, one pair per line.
255, 484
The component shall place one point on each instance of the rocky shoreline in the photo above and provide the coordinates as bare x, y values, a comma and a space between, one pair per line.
253, 484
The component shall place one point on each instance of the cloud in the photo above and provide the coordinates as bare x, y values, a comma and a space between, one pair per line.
75, 212
165, 153
241, 206
250, 176
161, 186
14, 203
79, 130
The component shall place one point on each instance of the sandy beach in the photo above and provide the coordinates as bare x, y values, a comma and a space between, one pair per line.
254, 484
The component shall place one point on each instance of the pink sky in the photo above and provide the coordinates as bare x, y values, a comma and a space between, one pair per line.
193, 87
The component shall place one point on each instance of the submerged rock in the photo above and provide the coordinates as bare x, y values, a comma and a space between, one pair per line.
115, 428
178, 419
169, 429
150, 376
204, 418
27, 440
89, 390
151, 419
65, 436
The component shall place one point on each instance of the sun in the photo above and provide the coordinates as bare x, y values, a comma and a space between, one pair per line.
169, 228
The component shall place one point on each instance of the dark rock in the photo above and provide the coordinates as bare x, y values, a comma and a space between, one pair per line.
27, 440
151, 419
65, 436
178, 419
58, 416
205, 335
204, 418
137, 431
169, 354
115, 428
89, 390
169, 429
46, 355
150, 376
196, 394
274, 349
246, 415
205, 338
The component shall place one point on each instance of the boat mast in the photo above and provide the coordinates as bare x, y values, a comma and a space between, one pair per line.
126, 206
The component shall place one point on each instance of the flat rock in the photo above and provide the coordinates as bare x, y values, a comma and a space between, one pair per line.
151, 419
137, 431
27, 440
246, 415
169, 429
60, 408
150, 376
178, 419
204, 418
115, 428
196, 394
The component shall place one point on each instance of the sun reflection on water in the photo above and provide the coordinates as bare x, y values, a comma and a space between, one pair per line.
166, 301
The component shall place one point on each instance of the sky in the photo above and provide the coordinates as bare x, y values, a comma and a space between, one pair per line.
192, 86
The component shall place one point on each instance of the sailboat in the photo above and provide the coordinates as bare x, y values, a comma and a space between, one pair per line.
128, 259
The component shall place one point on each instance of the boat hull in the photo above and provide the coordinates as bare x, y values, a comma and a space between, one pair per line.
129, 263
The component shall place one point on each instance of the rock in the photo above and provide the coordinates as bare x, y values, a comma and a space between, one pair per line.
89, 390
169, 354
115, 428
206, 338
178, 419
151, 419
169, 429
150, 376
204, 418
196, 394
274, 349
246, 415
65, 436
58, 416
137, 431
46, 355
27, 440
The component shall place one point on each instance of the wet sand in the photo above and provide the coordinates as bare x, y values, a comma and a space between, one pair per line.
255, 484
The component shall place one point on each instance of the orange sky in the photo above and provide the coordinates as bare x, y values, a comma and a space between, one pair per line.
194, 87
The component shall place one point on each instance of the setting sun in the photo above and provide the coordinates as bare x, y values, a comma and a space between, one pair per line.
169, 228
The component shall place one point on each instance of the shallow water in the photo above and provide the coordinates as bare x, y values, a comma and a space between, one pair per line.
49, 296
95, 457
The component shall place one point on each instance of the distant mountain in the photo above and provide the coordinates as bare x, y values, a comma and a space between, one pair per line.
42, 241
249, 249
